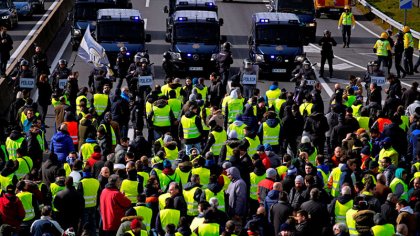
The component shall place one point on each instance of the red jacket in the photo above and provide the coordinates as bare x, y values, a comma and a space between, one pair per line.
93, 159
113, 207
11, 210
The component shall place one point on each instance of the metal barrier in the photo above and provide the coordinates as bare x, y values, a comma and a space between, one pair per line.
386, 18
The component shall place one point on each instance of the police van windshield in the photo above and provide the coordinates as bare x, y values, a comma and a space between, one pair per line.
295, 6
197, 33
120, 31
88, 11
278, 35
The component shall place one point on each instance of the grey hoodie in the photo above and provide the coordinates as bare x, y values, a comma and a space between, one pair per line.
237, 194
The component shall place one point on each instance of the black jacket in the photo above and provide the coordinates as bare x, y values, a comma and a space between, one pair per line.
318, 213
279, 213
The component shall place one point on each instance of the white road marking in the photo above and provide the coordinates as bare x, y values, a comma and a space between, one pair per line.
147, 3
342, 66
60, 52
310, 49
31, 33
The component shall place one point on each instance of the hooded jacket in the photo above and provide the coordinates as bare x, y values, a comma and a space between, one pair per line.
237, 194
62, 145
406, 216
271, 199
11, 210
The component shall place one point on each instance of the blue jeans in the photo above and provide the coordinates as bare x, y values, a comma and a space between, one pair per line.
188, 147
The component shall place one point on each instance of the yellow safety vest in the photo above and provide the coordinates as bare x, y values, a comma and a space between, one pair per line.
208, 229
324, 179
220, 198
394, 184
235, 107
100, 102
203, 92
408, 40
254, 181
145, 176
363, 122
306, 106
253, 145
171, 154
272, 95
350, 100
356, 109
405, 123
226, 182
239, 130
281, 170
90, 191
189, 128
336, 175
165, 180
41, 140
3, 149
351, 223
55, 102
6, 180
270, 134
192, 205
55, 188
219, 140
169, 216
347, 18
129, 188
146, 213
161, 199
204, 174
25, 166
26, 199
383, 230
113, 136
312, 157
382, 47
12, 146
203, 122
87, 150
142, 233
278, 103
149, 109
78, 99
389, 153
340, 211
195, 223
183, 176
225, 101
176, 106
161, 116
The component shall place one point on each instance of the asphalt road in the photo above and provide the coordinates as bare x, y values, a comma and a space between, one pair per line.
237, 20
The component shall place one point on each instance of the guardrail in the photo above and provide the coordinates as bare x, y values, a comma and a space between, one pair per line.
386, 18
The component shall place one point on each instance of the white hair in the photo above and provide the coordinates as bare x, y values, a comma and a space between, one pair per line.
346, 190
214, 202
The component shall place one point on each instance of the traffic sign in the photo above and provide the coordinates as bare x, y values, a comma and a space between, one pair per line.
406, 4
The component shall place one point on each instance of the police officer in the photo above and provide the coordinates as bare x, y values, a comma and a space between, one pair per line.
382, 48
142, 69
224, 60
23, 72
97, 80
167, 65
6, 45
123, 63
327, 54
40, 62
345, 23
248, 69
60, 72
408, 50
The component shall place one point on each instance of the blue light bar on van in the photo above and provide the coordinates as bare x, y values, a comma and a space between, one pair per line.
135, 18
264, 20
272, 56
182, 18
189, 54
209, 4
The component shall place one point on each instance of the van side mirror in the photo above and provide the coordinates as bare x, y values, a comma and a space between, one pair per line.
165, 9
148, 38
221, 21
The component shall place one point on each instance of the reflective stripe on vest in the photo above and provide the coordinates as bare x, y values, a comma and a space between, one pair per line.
189, 128
253, 145
100, 102
254, 181
271, 134
219, 140
26, 199
90, 191
220, 198
129, 187
192, 204
272, 95
204, 174
161, 116
340, 211
169, 216
12, 146
146, 213
394, 184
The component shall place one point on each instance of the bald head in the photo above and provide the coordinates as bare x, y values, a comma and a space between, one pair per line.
261, 210
63, 127
278, 186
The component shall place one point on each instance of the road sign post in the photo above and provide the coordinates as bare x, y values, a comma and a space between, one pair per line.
405, 5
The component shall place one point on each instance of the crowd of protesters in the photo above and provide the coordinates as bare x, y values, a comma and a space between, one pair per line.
205, 160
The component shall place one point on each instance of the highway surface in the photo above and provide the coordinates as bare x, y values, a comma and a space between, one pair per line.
237, 19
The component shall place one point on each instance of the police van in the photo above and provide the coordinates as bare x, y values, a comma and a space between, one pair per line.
178, 5
195, 41
84, 14
116, 28
275, 41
